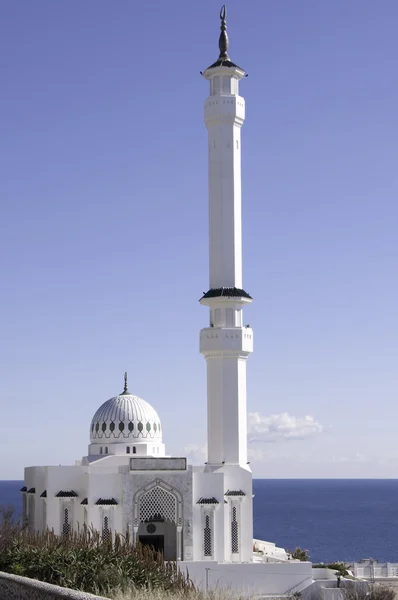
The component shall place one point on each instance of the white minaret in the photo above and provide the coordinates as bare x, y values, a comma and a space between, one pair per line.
226, 343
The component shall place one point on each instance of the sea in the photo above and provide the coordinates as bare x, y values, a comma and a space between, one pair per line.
334, 519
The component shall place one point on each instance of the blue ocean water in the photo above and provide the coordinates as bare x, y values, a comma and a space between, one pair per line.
335, 519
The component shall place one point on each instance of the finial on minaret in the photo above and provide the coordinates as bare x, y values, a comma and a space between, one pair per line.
223, 42
125, 391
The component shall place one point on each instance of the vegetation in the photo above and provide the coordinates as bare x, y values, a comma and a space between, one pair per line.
374, 592
145, 594
83, 561
338, 567
299, 554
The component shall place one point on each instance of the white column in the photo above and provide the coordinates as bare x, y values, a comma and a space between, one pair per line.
179, 542
135, 535
226, 344
225, 224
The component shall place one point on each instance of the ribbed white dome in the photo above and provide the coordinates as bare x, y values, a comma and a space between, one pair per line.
124, 418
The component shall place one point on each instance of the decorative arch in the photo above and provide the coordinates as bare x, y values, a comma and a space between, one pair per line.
158, 498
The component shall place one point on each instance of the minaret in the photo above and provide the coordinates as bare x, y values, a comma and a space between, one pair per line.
226, 343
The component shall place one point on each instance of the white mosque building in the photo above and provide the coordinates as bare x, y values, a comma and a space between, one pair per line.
197, 515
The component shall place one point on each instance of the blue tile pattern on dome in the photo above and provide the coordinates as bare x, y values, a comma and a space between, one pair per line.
125, 417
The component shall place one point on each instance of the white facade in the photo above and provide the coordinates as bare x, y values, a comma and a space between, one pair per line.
126, 483
200, 516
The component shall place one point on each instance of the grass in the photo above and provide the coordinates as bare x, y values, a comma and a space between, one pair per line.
83, 561
146, 594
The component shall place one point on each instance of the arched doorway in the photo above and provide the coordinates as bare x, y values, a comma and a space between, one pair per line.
158, 518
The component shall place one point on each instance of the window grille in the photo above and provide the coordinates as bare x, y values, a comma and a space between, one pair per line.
128, 449
230, 317
134, 450
105, 529
215, 85
106, 449
207, 537
66, 524
158, 501
101, 450
226, 84
234, 533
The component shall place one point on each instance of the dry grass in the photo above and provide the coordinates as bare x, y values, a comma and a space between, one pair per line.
83, 561
145, 594
371, 592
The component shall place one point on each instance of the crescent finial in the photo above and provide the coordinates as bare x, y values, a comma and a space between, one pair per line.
223, 42
125, 391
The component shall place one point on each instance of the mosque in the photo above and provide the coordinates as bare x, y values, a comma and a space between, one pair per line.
197, 515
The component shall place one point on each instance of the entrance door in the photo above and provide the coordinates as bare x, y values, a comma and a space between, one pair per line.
156, 541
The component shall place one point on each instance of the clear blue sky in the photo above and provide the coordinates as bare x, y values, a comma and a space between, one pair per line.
103, 230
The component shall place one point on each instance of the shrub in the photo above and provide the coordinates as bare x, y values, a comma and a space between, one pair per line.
82, 561
338, 567
299, 554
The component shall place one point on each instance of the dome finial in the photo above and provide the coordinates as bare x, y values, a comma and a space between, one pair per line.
223, 42
125, 391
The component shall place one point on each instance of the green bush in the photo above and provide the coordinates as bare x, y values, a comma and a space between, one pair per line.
82, 561
338, 567
300, 554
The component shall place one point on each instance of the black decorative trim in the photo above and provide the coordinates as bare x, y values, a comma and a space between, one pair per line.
43, 494
32, 491
66, 494
106, 502
235, 493
222, 62
85, 501
23, 489
229, 292
207, 501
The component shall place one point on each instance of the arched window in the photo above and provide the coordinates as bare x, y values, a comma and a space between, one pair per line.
128, 450
207, 537
105, 529
234, 532
101, 450
106, 449
65, 523
134, 450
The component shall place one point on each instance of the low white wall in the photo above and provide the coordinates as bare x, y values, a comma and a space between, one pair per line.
13, 587
251, 578
372, 569
324, 573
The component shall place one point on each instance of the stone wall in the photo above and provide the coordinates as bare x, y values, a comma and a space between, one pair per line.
13, 587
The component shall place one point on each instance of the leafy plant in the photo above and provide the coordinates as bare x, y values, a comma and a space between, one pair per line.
338, 567
300, 554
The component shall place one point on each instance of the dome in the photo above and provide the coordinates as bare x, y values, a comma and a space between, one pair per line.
125, 418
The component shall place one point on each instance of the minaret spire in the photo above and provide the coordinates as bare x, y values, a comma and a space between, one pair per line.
223, 42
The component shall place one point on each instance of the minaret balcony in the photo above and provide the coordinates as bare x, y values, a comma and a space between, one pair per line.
225, 109
233, 341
